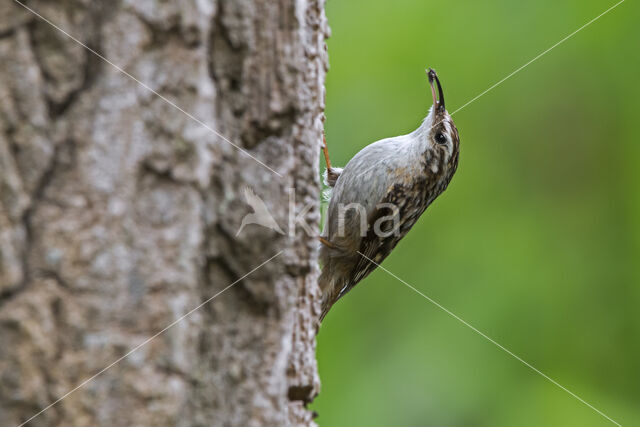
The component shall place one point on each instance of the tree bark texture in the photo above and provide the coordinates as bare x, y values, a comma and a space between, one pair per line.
119, 213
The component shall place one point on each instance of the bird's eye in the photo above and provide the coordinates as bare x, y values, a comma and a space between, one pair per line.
440, 138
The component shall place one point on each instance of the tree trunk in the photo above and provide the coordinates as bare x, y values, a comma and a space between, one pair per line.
119, 210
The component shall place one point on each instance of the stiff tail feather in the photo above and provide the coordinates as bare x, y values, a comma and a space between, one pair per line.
331, 290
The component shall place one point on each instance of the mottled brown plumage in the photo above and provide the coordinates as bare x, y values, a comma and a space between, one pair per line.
391, 182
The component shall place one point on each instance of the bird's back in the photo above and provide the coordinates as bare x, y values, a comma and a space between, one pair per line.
368, 180
365, 180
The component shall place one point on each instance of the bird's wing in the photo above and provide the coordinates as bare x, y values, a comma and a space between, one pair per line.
410, 201
372, 248
378, 243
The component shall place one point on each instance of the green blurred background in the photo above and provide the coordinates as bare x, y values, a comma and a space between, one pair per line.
537, 240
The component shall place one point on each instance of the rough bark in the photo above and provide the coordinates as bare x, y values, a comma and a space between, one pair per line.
118, 213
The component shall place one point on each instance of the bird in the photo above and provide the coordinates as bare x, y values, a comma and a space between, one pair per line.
380, 194
260, 216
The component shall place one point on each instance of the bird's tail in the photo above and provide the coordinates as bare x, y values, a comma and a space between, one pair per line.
330, 286
323, 282
327, 303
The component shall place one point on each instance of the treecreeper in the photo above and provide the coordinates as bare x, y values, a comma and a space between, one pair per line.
380, 194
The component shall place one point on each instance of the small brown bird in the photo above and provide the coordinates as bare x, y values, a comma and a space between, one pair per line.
380, 194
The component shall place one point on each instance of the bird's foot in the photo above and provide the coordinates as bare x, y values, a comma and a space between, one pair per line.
331, 175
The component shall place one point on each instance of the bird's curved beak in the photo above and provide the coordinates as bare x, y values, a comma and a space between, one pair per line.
438, 101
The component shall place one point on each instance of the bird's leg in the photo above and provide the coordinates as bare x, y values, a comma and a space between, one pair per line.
325, 150
332, 173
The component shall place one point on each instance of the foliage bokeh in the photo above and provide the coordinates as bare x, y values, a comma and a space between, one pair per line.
537, 240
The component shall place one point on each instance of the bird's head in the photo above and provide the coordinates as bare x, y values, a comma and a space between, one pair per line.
439, 128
